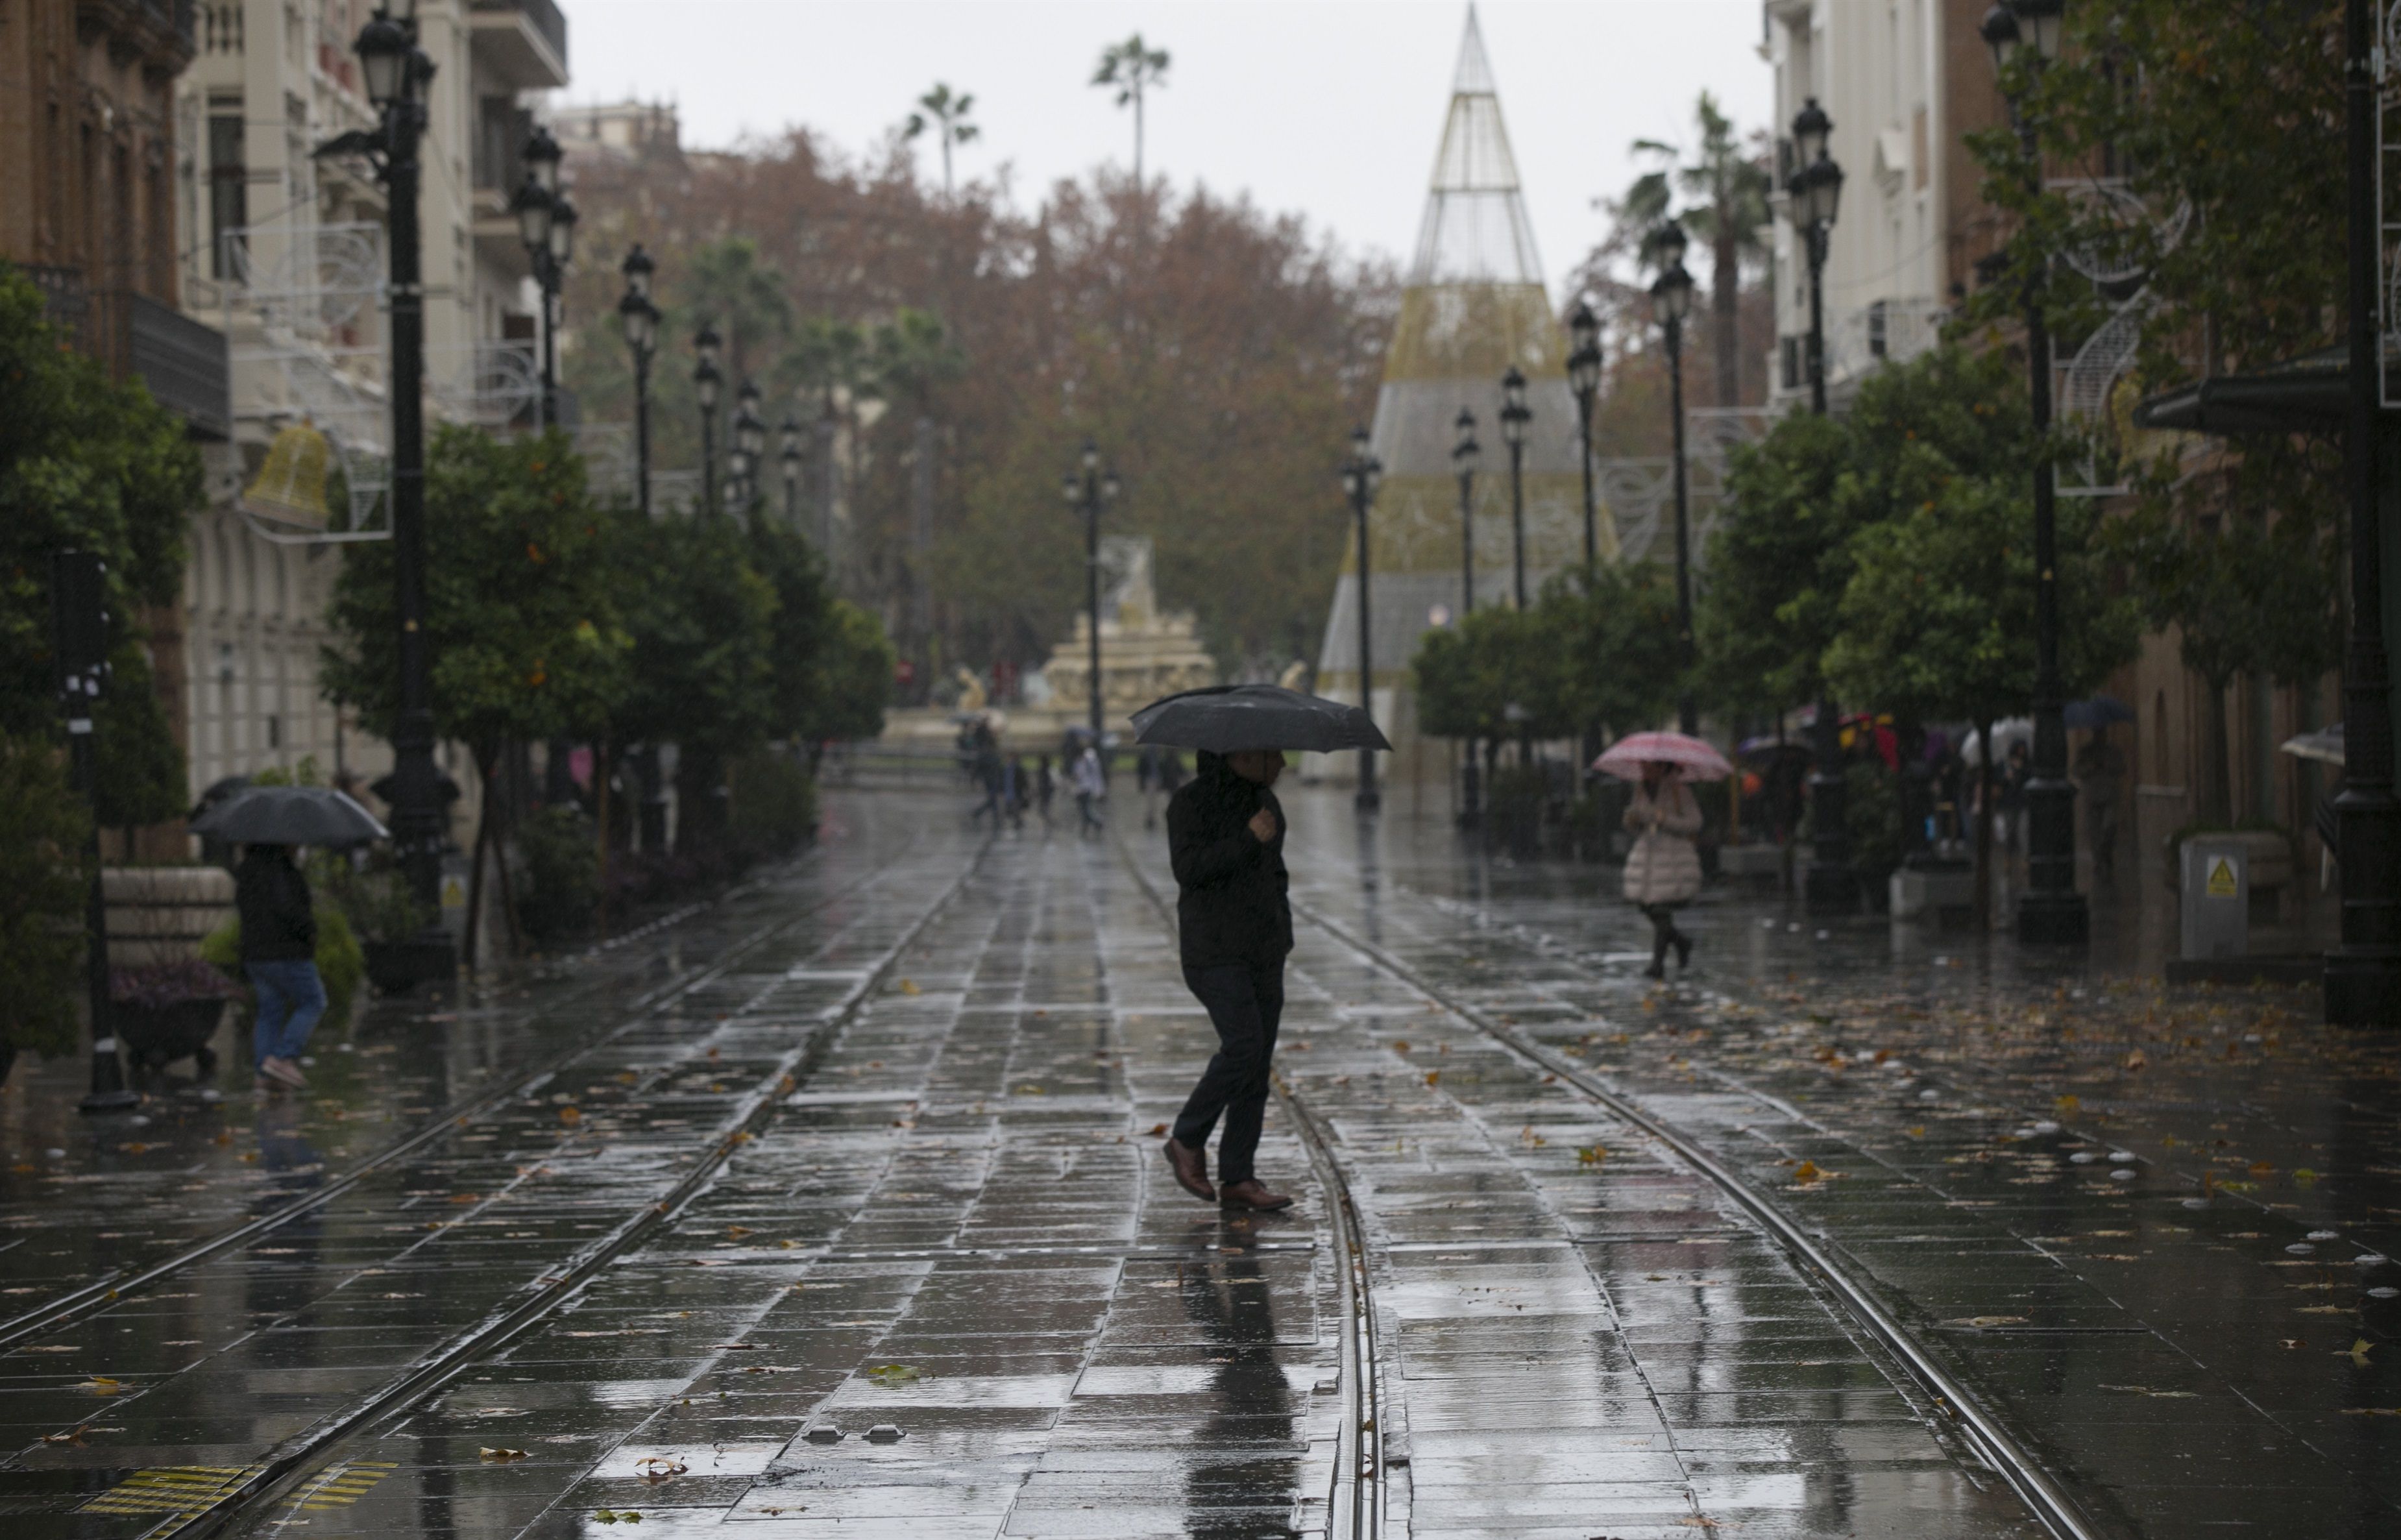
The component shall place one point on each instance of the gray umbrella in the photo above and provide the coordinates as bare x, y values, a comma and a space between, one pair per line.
1226, 719
290, 815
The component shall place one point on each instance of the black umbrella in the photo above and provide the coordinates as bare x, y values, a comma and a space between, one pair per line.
2083, 716
218, 791
290, 815
1226, 719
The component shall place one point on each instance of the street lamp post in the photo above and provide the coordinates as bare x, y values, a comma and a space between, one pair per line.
396, 73
640, 319
1514, 416
2051, 910
1465, 455
1671, 297
1088, 493
790, 459
749, 445
1814, 193
1583, 377
2363, 975
706, 385
1362, 474
546, 227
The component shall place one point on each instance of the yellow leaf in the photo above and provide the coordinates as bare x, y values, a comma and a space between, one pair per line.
2359, 1350
1592, 1155
909, 986
1806, 1173
1432, 1076
2066, 1104
571, 1115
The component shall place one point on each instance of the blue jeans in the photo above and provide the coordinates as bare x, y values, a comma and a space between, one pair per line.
291, 997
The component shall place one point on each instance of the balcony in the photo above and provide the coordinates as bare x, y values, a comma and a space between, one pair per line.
521, 43
182, 362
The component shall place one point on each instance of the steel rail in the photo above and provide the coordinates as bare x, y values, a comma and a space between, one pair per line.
2050, 1502
293, 1463
65, 1310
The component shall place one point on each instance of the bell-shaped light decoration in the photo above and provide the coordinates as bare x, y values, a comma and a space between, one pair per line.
2000, 30
1811, 129
2043, 24
289, 487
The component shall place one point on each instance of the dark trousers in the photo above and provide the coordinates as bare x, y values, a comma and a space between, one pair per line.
1664, 933
1244, 1002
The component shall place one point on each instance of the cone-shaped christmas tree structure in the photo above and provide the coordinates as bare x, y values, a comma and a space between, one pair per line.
1475, 305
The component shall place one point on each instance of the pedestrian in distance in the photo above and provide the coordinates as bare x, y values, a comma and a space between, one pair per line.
1170, 773
1013, 790
1046, 786
1090, 789
988, 773
2099, 769
1233, 920
1663, 872
279, 953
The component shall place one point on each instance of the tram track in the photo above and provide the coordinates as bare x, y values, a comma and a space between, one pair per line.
68, 1309
314, 1456
1980, 1428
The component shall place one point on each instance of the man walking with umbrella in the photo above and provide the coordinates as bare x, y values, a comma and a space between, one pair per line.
1224, 838
279, 951
1234, 913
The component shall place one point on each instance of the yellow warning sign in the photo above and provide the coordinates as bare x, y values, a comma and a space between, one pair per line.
2221, 877
454, 893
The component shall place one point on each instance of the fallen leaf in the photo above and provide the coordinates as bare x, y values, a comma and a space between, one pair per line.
2288, 1343
1158, 1131
909, 986
489, 1453
2261, 1168
888, 1375
2358, 1351
735, 1233
1806, 1173
569, 1115
1590, 1154
659, 1469
1400, 1045
1432, 1076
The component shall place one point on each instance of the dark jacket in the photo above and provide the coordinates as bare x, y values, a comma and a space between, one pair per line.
1230, 905
278, 922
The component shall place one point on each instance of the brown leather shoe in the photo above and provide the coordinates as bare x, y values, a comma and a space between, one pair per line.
1191, 1168
1254, 1194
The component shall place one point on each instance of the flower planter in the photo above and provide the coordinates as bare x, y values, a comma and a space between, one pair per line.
156, 1035
395, 968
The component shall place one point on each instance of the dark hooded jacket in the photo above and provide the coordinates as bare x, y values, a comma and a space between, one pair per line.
1230, 904
278, 922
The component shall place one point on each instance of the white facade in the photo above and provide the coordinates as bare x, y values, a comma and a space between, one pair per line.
284, 251
1903, 80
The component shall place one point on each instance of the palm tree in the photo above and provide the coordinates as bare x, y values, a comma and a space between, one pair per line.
1728, 189
947, 115
744, 296
1133, 69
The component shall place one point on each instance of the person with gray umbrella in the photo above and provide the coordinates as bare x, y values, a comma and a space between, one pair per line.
1233, 912
278, 912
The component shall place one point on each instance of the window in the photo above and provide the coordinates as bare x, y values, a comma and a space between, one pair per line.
1879, 330
228, 191
1788, 352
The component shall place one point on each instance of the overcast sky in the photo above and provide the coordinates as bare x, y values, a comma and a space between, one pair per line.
1329, 108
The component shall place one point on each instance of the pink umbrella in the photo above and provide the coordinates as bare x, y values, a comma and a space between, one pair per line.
1693, 759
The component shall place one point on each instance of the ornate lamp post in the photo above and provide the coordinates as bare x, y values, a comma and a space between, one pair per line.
1514, 416
792, 457
546, 225
1583, 377
1088, 493
1813, 194
2051, 910
706, 383
1362, 474
749, 445
1466, 455
640, 320
1671, 300
396, 73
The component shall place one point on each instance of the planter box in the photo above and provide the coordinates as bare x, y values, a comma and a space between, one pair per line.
157, 1037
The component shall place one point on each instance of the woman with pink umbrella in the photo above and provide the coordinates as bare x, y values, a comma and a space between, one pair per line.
1663, 872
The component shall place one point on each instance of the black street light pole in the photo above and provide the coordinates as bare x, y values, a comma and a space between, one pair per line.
750, 446
1362, 474
1671, 297
79, 651
1514, 415
1088, 493
791, 457
640, 319
706, 384
546, 229
396, 73
1583, 377
1814, 193
2051, 910
2363, 975
1465, 455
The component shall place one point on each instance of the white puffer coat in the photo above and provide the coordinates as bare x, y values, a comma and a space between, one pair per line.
1663, 867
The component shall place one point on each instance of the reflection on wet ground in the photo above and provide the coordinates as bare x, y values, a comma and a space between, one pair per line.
2149, 1227
948, 1288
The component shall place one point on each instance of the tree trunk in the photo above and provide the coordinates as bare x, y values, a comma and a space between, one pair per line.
1984, 827
1725, 303
2216, 788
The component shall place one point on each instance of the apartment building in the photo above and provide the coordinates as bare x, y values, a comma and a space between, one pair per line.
284, 251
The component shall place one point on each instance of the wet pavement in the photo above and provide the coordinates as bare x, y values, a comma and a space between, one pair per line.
835, 1209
